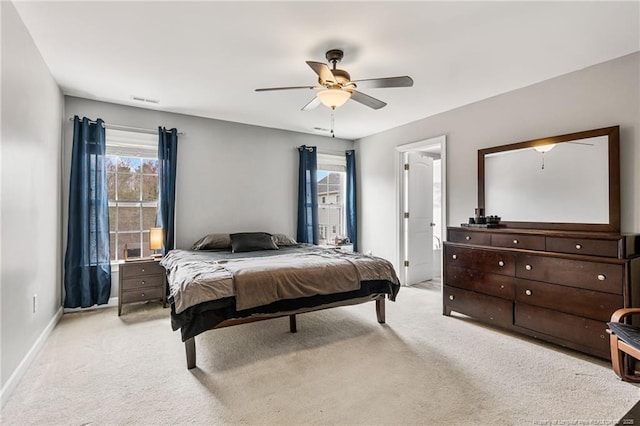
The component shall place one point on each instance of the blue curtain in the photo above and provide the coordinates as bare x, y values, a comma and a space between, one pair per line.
308, 195
167, 159
350, 202
87, 267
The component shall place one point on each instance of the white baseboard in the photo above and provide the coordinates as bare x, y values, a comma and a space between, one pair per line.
13, 381
113, 302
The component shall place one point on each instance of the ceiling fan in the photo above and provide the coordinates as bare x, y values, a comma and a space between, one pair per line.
338, 87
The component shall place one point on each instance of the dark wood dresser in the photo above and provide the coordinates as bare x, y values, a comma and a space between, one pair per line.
557, 286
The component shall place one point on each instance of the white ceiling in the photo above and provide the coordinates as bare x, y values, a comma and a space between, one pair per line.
206, 58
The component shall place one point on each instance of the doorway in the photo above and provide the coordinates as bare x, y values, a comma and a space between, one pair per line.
421, 210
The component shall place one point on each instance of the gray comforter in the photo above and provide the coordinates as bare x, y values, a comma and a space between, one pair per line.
260, 278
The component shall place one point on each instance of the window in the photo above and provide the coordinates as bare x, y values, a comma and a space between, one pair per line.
132, 181
323, 232
331, 189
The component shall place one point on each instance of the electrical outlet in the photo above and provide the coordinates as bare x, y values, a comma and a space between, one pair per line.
35, 303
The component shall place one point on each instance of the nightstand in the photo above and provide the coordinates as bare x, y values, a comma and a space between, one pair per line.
141, 281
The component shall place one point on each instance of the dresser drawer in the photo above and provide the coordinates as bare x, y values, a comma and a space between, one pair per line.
481, 260
582, 331
585, 303
480, 282
486, 308
142, 294
591, 247
135, 269
598, 276
143, 282
469, 237
529, 242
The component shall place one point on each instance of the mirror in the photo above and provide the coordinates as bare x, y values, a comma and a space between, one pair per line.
567, 182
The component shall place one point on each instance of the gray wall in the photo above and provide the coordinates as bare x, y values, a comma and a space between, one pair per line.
603, 95
30, 259
231, 177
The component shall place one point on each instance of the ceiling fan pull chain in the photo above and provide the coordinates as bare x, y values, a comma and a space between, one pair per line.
332, 122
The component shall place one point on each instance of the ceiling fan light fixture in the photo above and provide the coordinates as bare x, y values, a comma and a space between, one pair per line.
333, 98
544, 148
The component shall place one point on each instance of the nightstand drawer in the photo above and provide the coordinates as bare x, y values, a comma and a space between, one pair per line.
142, 294
142, 282
135, 269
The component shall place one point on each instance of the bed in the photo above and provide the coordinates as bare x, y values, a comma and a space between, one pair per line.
219, 285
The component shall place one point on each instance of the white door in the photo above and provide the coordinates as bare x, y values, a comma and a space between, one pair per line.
419, 224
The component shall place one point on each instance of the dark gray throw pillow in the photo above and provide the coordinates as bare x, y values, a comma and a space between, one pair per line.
252, 241
212, 242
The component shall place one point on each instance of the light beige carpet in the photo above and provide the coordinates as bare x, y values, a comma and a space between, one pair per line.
342, 367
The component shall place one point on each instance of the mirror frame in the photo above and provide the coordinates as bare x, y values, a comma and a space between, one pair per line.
613, 135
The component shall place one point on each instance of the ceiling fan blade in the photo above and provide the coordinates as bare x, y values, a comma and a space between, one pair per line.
267, 89
323, 71
367, 100
377, 83
313, 104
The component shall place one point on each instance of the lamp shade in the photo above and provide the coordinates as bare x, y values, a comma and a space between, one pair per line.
155, 238
333, 98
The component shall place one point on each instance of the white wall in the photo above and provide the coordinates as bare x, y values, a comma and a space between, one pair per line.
231, 177
30, 257
603, 95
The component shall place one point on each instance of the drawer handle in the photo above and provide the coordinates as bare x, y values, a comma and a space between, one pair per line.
602, 277
528, 292
142, 294
467, 238
528, 267
455, 256
142, 269
515, 241
578, 246
501, 263
502, 286
451, 297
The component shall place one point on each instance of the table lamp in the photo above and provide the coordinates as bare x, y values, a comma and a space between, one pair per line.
155, 241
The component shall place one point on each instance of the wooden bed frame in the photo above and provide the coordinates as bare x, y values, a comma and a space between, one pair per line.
190, 344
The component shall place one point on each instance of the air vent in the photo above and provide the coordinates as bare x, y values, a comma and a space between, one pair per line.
147, 100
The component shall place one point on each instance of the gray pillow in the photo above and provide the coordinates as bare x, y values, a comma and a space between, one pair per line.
213, 242
251, 241
283, 240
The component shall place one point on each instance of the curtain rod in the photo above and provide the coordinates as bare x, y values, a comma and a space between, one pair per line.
132, 129
326, 152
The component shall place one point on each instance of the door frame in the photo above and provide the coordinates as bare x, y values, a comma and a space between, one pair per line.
422, 145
